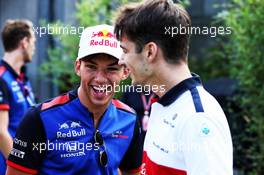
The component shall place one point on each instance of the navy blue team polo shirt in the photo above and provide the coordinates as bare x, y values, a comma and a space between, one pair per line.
57, 137
15, 97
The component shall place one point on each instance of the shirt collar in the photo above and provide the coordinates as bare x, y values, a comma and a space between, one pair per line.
13, 72
179, 89
74, 94
9, 68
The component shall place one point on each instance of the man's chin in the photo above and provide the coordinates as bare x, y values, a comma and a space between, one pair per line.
102, 101
27, 60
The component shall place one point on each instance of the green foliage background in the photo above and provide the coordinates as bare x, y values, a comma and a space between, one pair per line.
60, 64
241, 57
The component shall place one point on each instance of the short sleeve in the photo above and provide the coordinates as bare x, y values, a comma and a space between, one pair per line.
132, 160
26, 154
206, 146
4, 96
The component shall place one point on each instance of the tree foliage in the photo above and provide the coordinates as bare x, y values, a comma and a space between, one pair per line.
241, 57
247, 60
60, 64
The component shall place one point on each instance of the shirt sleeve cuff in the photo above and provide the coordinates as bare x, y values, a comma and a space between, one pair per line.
4, 107
21, 168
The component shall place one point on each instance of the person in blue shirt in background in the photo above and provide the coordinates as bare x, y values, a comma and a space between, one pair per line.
141, 102
15, 90
84, 131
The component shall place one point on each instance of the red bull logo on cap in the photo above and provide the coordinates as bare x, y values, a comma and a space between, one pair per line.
104, 37
103, 33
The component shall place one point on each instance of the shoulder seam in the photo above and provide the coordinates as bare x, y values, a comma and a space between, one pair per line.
2, 70
122, 106
60, 100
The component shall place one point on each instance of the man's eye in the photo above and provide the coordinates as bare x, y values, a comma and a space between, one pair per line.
112, 69
90, 66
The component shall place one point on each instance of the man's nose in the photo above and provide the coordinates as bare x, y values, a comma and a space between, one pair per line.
100, 77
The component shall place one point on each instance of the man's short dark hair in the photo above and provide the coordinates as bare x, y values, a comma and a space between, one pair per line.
14, 31
146, 22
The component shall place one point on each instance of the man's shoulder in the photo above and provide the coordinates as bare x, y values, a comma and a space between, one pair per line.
122, 106
4, 88
57, 101
6, 75
2, 70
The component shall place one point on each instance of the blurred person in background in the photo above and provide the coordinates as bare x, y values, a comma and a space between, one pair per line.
141, 102
15, 90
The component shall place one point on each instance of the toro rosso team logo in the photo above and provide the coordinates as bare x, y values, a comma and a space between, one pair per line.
103, 38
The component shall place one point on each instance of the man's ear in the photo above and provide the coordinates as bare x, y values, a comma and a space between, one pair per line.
24, 43
151, 51
125, 73
77, 67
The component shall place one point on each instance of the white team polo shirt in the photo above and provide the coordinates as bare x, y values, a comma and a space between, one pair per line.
187, 134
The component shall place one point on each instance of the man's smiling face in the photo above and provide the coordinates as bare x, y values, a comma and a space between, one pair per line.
99, 73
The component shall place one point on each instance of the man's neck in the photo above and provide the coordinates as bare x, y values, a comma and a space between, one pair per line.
97, 111
169, 76
15, 60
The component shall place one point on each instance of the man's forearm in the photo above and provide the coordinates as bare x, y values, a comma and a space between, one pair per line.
6, 143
